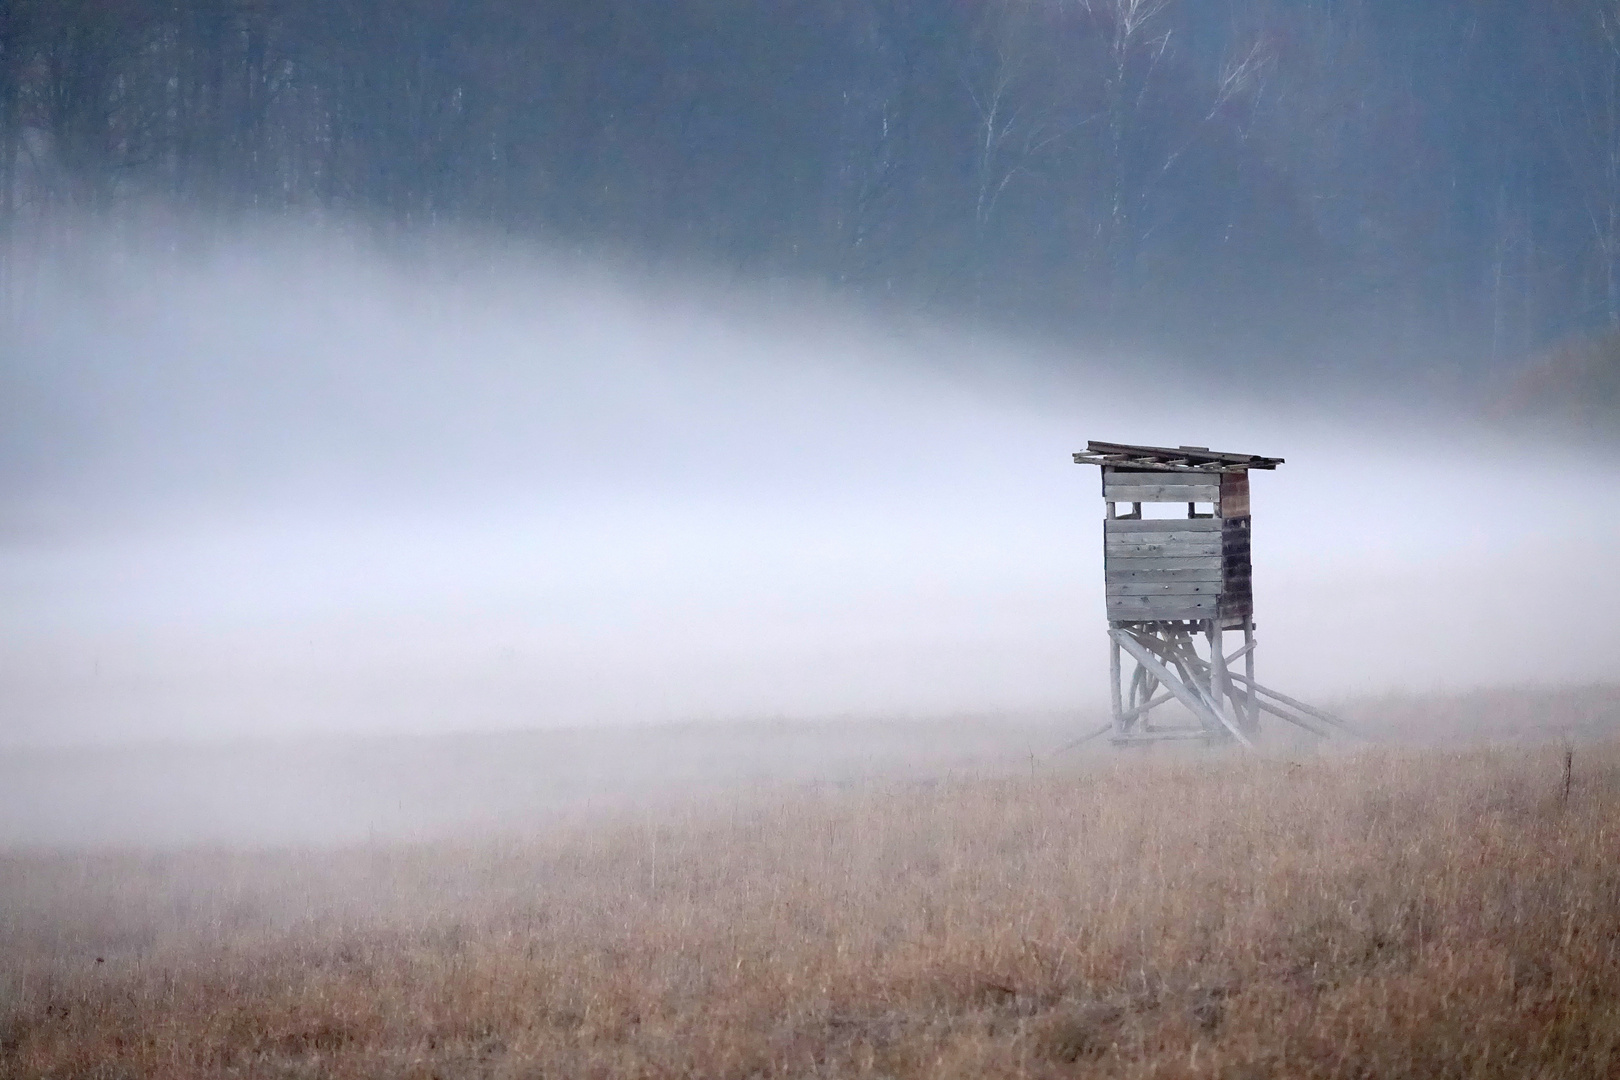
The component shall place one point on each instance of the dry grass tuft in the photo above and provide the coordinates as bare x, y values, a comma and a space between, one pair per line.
1390, 913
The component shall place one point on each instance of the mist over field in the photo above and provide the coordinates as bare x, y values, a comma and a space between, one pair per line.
541, 538
411, 368
285, 484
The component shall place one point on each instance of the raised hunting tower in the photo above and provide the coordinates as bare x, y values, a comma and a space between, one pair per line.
1173, 578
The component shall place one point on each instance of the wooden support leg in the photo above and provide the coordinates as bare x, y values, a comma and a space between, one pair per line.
1220, 687
1186, 694
1294, 718
1142, 698
1224, 702
1140, 704
1177, 648
1113, 685
1152, 703
1301, 707
1251, 698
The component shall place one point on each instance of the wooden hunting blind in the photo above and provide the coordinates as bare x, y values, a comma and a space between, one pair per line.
1172, 578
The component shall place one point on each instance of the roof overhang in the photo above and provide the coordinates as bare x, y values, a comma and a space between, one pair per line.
1197, 459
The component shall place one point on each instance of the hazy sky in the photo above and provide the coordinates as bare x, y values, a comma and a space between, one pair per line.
291, 483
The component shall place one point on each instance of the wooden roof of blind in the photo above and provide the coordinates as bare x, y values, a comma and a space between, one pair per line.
1171, 459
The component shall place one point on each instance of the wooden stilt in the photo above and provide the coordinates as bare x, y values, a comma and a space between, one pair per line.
1248, 669
1293, 718
1184, 693
1300, 706
1220, 688
1179, 647
1113, 684
1158, 699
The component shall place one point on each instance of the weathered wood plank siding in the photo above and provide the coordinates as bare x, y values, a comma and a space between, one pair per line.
1162, 608
1173, 569
1237, 596
1172, 487
1120, 527
1234, 495
1201, 493
1166, 588
1151, 570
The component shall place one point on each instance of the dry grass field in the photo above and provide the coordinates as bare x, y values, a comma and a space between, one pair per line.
1376, 912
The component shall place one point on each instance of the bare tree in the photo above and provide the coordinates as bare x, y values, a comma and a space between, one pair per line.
1588, 124
1138, 36
1011, 91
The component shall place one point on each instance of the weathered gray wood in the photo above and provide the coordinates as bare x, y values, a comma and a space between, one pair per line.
1168, 576
1219, 684
1293, 718
1152, 703
1211, 574
1165, 546
1178, 647
1292, 703
1154, 665
1113, 684
1114, 478
1236, 654
1246, 650
1185, 525
1165, 735
1183, 693
1212, 540
1161, 608
1164, 588
1126, 455
1163, 493
1155, 563
1149, 478
1235, 495
1251, 698
1126, 540
1144, 698
1140, 616
1174, 647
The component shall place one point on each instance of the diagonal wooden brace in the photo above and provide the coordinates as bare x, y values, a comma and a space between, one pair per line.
1186, 695
1299, 706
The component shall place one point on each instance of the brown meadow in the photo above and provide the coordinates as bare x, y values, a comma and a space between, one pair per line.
1380, 911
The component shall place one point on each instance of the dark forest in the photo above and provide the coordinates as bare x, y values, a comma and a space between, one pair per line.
565, 538
1308, 181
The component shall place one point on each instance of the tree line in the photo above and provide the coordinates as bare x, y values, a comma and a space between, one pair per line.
1238, 170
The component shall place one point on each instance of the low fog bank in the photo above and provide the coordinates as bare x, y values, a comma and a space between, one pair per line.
326, 790
296, 485
337, 791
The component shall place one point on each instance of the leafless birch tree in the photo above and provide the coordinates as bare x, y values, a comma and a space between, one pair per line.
1589, 130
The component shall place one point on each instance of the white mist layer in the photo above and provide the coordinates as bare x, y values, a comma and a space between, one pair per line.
286, 486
